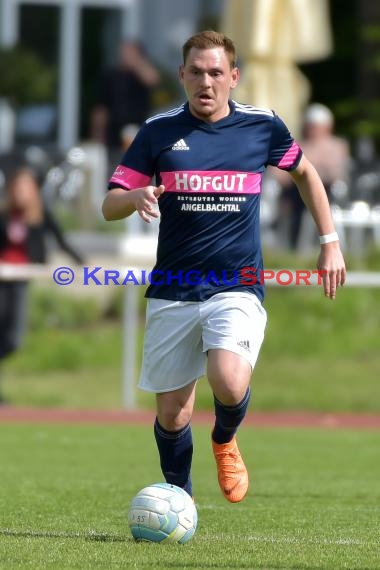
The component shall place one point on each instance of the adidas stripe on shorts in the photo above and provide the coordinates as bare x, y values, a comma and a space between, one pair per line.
178, 335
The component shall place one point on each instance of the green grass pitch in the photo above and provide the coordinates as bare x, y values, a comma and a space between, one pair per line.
314, 500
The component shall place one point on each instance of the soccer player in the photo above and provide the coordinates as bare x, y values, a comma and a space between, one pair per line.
207, 158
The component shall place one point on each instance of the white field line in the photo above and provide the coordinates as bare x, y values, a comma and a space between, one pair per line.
106, 537
301, 540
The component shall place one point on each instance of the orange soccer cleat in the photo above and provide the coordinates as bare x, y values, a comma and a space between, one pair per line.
232, 473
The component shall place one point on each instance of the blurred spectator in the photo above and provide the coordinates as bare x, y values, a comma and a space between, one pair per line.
331, 157
128, 134
24, 223
124, 98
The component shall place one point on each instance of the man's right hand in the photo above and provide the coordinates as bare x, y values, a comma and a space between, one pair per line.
146, 200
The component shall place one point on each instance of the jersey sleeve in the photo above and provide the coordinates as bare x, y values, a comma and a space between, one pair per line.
137, 166
284, 151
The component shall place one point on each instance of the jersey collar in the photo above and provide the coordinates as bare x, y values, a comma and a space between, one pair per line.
216, 124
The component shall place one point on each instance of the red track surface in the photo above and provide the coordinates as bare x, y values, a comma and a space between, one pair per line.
9, 414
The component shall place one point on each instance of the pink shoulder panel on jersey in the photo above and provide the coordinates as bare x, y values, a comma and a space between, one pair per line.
129, 178
290, 156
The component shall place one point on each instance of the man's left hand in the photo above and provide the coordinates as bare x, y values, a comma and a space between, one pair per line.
331, 264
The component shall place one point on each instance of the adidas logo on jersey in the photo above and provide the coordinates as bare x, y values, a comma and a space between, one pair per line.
180, 145
244, 344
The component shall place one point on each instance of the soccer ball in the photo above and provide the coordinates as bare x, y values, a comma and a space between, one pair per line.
163, 513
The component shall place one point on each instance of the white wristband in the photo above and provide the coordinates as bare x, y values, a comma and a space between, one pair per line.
328, 238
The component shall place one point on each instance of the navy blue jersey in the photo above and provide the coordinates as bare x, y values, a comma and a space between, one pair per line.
209, 230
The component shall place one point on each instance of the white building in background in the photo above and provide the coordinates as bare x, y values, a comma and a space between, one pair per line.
162, 25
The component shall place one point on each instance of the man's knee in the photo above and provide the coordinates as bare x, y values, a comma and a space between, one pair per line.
229, 376
230, 396
173, 421
174, 409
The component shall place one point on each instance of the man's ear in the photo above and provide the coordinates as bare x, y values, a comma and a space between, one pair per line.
235, 76
180, 73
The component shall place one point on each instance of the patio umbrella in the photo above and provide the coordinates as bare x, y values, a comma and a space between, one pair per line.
272, 37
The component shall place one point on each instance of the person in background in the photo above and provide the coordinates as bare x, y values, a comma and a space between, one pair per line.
125, 97
128, 134
24, 225
329, 154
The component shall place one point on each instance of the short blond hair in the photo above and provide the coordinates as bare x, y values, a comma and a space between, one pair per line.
209, 39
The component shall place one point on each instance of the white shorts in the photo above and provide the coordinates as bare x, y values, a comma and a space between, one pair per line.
178, 335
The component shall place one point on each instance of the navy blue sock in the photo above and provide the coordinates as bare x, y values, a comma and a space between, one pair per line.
176, 451
228, 418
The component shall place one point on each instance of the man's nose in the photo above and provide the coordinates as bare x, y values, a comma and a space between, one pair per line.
205, 80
